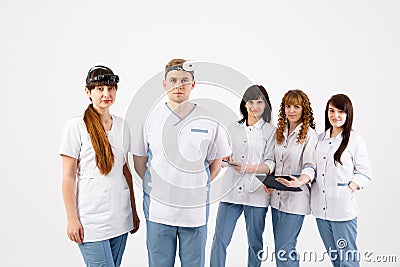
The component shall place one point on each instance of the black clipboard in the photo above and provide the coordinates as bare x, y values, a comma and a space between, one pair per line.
269, 181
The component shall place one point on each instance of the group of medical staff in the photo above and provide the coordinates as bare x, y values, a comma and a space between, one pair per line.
180, 149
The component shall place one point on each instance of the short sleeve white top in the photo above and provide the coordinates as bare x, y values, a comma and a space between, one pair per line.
331, 198
295, 159
251, 145
176, 183
103, 201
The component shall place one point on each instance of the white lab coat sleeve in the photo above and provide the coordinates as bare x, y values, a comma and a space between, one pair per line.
140, 144
71, 140
220, 146
309, 164
362, 167
269, 155
230, 135
128, 142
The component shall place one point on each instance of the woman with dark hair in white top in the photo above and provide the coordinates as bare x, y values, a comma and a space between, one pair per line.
97, 183
343, 168
252, 142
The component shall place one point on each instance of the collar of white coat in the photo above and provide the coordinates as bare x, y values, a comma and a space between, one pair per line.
297, 129
258, 125
327, 135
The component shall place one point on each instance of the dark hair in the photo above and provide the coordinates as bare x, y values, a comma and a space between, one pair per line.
96, 72
98, 136
255, 92
342, 102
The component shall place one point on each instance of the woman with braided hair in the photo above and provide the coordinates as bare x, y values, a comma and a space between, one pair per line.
295, 145
97, 183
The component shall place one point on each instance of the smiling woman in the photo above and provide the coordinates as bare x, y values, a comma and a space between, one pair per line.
252, 141
294, 151
343, 168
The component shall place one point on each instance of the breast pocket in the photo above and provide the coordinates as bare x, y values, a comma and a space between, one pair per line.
194, 143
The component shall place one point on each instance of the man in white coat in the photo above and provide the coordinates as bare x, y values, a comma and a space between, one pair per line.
178, 153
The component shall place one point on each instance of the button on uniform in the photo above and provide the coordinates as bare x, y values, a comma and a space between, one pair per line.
330, 190
249, 147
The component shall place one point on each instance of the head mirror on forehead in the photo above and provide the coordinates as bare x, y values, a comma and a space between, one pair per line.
108, 78
184, 67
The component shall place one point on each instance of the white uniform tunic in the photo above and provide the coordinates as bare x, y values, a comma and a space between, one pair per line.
295, 159
103, 202
253, 145
331, 198
176, 182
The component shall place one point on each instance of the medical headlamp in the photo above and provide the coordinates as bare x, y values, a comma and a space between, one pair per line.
187, 66
109, 79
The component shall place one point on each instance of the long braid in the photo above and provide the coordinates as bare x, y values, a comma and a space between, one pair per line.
99, 139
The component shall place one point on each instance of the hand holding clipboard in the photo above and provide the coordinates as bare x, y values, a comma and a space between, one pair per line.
230, 163
281, 182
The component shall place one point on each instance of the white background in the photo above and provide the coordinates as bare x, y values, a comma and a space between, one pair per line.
323, 47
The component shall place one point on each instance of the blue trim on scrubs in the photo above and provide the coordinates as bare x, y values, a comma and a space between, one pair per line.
194, 130
180, 119
207, 168
146, 187
369, 178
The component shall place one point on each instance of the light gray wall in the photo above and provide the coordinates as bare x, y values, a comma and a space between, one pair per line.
322, 47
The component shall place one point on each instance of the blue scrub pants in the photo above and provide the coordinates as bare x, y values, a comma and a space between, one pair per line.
161, 245
105, 253
340, 241
286, 228
227, 217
